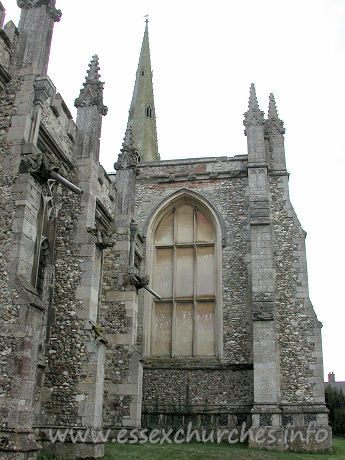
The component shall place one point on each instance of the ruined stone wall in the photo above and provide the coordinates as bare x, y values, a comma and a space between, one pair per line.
296, 319
223, 182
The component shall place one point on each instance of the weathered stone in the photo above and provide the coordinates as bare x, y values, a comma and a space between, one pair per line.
77, 327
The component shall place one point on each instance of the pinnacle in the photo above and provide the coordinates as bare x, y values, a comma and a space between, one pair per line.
128, 139
253, 116
253, 101
272, 108
92, 73
92, 93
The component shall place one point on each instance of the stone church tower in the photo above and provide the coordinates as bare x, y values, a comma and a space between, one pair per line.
163, 293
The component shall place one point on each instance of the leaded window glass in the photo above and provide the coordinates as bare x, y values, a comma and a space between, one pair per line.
183, 322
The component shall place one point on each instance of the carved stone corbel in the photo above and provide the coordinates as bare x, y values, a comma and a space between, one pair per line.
39, 165
103, 239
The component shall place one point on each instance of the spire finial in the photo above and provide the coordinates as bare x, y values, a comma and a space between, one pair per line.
253, 116
146, 19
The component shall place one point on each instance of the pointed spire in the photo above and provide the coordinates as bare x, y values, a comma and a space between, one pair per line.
92, 93
253, 116
142, 116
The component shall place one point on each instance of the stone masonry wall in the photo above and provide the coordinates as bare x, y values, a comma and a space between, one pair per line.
66, 350
198, 387
228, 196
8, 305
296, 318
224, 184
5, 51
115, 321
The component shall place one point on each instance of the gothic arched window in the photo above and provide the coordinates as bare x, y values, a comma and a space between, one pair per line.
149, 111
41, 269
184, 275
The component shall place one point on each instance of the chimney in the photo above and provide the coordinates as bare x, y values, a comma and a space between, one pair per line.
331, 377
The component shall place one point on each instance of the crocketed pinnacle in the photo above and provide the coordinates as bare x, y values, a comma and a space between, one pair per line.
128, 141
129, 156
253, 101
92, 73
92, 93
273, 124
253, 116
272, 108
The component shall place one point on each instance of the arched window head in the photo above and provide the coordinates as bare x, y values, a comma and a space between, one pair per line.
149, 111
184, 275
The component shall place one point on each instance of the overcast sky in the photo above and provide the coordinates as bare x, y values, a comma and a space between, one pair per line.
204, 57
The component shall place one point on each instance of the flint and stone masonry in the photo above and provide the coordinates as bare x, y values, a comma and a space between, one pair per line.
83, 304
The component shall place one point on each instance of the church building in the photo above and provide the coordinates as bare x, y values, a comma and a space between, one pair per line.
156, 295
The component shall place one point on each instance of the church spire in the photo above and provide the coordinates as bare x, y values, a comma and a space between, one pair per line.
142, 115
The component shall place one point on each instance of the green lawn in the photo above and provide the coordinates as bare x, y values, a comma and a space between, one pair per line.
200, 451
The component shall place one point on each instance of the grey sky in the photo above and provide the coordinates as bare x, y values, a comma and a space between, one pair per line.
204, 57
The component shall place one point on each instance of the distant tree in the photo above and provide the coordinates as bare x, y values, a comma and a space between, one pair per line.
335, 401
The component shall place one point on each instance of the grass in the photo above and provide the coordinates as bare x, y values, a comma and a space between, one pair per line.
223, 451
200, 451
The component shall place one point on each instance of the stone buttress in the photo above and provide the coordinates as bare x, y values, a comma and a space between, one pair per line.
28, 203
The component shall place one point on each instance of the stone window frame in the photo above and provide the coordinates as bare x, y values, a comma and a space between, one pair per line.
177, 199
149, 111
